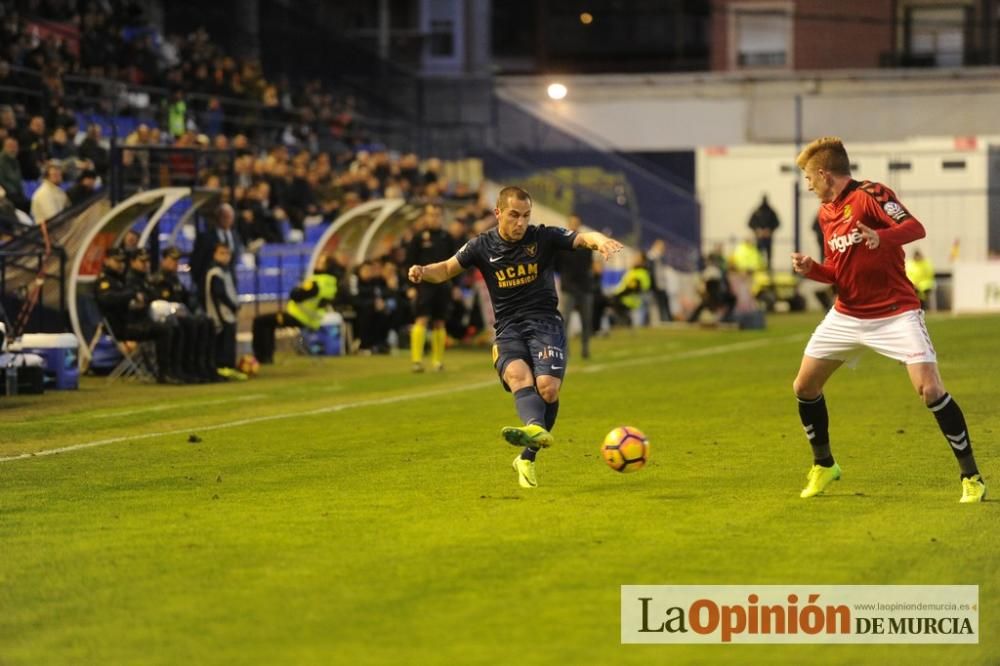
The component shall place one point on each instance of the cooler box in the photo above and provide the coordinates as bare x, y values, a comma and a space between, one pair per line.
59, 350
328, 340
30, 369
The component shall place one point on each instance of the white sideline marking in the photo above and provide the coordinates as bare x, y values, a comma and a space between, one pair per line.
249, 421
694, 353
160, 408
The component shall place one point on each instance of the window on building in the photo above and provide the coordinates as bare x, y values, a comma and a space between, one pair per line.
936, 34
761, 36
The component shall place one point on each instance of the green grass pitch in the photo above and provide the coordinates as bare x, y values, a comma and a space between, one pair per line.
342, 510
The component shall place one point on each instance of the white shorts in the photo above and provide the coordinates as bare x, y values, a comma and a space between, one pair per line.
902, 337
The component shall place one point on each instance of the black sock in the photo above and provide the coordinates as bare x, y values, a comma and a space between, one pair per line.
816, 423
530, 406
551, 412
952, 423
529, 453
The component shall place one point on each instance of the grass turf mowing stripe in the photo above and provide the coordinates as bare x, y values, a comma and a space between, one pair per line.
706, 351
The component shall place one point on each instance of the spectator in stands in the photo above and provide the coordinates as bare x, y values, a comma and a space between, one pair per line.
8, 217
60, 117
92, 150
176, 113
299, 199
62, 150
222, 304
259, 223
8, 122
212, 118
136, 162
85, 186
221, 230
49, 199
34, 149
10, 175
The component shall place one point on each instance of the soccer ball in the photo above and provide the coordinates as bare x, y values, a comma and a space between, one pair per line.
625, 449
248, 365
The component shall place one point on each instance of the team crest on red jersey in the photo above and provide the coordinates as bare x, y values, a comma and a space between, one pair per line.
848, 212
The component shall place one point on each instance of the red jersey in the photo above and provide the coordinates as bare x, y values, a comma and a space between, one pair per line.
870, 283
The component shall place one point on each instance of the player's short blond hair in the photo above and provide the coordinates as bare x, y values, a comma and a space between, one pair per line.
827, 153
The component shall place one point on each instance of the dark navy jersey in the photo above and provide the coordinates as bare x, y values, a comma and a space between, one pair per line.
518, 275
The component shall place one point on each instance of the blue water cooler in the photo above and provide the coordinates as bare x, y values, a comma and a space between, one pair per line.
59, 350
328, 339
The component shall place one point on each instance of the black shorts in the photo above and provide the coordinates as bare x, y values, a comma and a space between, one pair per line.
433, 300
540, 342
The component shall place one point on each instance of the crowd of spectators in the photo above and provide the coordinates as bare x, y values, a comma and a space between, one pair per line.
299, 152
283, 158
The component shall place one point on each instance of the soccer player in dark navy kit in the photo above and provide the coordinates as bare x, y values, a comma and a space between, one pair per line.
530, 351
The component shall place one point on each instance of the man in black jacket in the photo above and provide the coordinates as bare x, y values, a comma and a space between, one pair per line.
576, 280
126, 310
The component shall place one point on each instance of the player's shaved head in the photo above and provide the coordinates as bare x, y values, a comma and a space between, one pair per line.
511, 192
826, 153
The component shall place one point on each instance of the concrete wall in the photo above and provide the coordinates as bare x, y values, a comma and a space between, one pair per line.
677, 112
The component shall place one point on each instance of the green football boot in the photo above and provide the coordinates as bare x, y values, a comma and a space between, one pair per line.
819, 478
525, 472
973, 489
534, 436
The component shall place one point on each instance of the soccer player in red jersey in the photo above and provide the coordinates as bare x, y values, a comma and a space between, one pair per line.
864, 228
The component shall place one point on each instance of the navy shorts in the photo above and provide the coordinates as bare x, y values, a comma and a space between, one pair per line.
541, 343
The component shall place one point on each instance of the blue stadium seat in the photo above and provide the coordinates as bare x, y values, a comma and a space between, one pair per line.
30, 186
313, 233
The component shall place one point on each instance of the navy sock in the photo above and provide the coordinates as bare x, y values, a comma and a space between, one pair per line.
952, 423
530, 406
551, 412
816, 423
529, 453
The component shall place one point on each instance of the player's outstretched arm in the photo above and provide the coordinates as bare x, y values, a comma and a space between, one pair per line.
442, 271
595, 240
808, 267
802, 263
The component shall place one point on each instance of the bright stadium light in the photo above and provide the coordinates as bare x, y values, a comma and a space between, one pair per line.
557, 91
